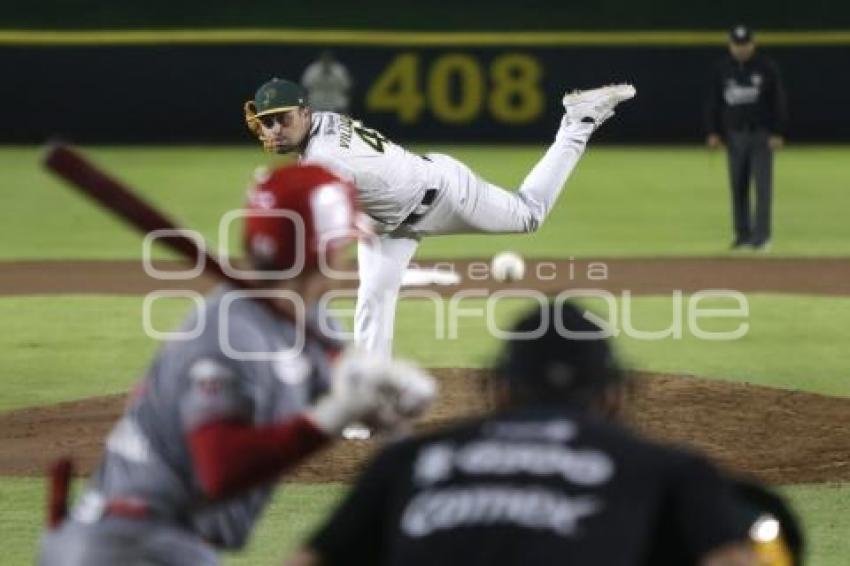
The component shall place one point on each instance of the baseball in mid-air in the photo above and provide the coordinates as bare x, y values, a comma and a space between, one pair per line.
507, 266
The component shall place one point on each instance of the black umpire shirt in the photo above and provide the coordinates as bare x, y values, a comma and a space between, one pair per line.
746, 96
531, 487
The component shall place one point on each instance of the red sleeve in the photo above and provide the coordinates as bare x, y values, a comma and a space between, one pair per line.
230, 456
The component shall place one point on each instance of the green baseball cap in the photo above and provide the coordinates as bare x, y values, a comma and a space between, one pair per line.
279, 95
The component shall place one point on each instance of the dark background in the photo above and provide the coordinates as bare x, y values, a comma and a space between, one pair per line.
194, 93
465, 15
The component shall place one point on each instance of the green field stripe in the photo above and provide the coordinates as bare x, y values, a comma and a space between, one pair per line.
683, 38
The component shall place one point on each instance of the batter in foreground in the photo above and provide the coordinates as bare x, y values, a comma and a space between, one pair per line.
222, 414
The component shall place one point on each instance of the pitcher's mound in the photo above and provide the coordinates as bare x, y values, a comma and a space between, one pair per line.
780, 436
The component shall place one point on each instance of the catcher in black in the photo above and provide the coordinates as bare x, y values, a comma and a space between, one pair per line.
747, 109
549, 478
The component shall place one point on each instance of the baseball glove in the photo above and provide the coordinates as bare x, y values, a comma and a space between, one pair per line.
256, 127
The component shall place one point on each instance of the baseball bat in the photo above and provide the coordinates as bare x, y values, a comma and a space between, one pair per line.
121, 200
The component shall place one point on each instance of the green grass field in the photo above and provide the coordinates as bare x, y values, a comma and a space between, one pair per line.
621, 202
100, 347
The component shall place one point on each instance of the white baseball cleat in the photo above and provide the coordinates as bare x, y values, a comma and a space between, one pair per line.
597, 105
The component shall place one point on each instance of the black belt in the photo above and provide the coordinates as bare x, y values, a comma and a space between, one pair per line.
422, 208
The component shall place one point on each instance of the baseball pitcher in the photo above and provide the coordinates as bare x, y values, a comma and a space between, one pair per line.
219, 417
411, 196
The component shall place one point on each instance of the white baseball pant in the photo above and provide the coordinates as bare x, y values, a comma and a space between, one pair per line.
465, 204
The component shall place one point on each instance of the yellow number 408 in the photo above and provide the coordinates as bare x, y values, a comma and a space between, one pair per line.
515, 96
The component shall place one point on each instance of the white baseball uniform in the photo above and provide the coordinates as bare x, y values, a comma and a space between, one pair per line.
410, 196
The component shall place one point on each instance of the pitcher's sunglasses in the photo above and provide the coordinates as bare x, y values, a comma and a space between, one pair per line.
269, 120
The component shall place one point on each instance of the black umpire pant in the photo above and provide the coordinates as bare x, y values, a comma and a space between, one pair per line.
750, 157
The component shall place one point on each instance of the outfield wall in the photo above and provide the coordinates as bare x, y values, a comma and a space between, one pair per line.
439, 16
185, 87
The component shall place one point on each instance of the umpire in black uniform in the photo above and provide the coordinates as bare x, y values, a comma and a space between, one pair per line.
746, 108
548, 479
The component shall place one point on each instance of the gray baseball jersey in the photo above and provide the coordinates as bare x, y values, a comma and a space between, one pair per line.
327, 86
234, 368
390, 180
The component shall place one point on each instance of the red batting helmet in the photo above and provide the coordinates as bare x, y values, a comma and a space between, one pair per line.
295, 213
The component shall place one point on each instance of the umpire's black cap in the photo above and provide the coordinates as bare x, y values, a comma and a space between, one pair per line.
740, 34
557, 354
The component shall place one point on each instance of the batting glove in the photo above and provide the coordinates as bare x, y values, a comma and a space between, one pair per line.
366, 388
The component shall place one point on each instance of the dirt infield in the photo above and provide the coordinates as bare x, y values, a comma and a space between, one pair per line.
779, 436
825, 276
